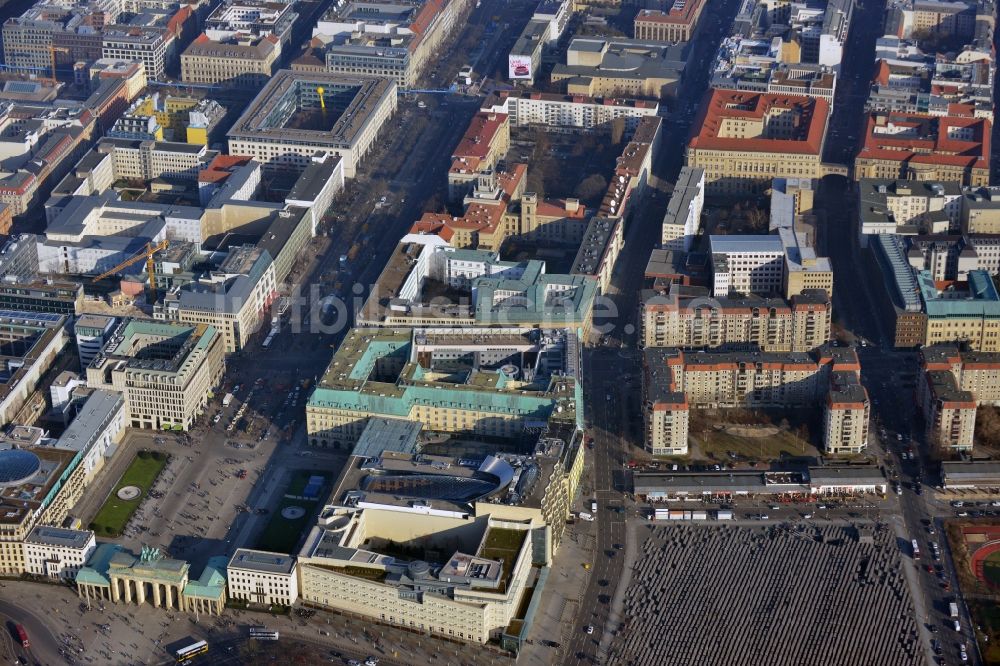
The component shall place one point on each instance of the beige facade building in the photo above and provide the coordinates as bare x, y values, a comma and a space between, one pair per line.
747, 139
165, 370
471, 598
246, 63
486, 141
386, 372
677, 24
57, 552
680, 316
233, 300
923, 147
261, 577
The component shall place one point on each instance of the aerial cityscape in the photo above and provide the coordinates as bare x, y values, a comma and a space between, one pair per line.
486, 332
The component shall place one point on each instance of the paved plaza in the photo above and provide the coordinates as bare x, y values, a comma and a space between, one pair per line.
773, 596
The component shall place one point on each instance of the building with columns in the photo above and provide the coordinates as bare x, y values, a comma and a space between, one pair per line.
115, 574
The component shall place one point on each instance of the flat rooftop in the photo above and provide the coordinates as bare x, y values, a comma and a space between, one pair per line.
288, 109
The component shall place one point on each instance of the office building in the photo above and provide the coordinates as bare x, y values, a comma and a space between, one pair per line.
166, 371
515, 377
263, 578
57, 552
233, 299
239, 62
677, 24
616, 67
51, 296
290, 120
31, 342
745, 140
921, 147
390, 40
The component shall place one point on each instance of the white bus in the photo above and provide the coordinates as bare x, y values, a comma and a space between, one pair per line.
263, 634
191, 651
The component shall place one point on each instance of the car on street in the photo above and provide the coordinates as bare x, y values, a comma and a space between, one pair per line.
589, 629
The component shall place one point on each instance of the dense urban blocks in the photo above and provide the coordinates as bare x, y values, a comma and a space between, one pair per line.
116, 512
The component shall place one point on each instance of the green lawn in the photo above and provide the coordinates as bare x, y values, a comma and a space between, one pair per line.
282, 534
784, 443
115, 513
991, 568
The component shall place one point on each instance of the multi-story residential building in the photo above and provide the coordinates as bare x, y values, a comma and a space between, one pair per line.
386, 372
682, 220
745, 140
922, 147
675, 382
262, 577
166, 371
846, 415
689, 317
952, 387
568, 113
677, 24
239, 62
57, 552
271, 128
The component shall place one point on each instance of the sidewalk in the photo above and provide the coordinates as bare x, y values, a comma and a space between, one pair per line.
564, 591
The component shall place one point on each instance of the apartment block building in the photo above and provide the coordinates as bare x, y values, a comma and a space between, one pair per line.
953, 385
846, 415
677, 381
568, 113
688, 317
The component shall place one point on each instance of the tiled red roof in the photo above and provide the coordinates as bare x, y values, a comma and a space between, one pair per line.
721, 104
927, 140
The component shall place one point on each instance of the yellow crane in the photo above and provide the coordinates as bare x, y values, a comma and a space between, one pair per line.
148, 253
52, 54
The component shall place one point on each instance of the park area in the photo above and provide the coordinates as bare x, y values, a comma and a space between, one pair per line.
128, 493
294, 512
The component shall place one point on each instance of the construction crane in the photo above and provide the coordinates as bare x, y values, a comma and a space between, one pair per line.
52, 54
148, 253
